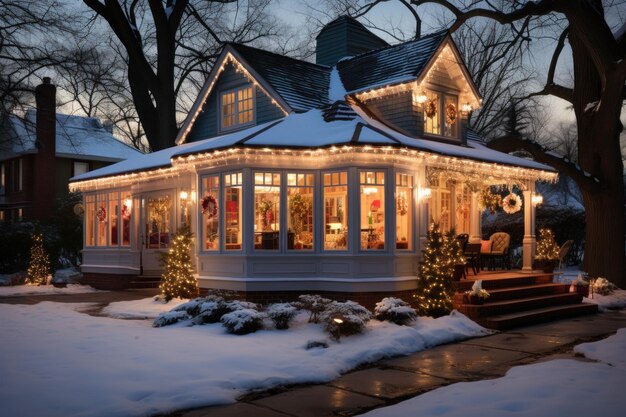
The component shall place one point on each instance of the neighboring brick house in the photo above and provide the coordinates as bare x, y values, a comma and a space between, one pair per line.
39, 155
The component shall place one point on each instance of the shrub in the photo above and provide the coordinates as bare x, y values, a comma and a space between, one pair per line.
170, 317
281, 314
345, 318
394, 310
315, 304
315, 344
242, 321
603, 286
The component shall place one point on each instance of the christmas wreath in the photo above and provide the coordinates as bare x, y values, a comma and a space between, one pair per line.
490, 201
512, 203
450, 113
209, 206
101, 214
402, 207
430, 108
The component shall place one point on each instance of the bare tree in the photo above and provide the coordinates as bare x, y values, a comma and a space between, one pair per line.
170, 46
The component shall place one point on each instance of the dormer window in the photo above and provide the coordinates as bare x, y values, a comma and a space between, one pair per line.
441, 114
237, 108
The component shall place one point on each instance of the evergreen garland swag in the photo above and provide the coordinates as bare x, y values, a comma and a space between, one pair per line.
39, 265
178, 281
434, 291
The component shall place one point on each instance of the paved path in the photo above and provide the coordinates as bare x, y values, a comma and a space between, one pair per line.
393, 380
103, 297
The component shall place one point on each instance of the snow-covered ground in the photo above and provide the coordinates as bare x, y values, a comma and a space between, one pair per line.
57, 361
616, 300
147, 308
561, 387
45, 290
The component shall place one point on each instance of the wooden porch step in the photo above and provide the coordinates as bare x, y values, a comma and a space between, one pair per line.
495, 281
527, 291
489, 309
540, 315
145, 281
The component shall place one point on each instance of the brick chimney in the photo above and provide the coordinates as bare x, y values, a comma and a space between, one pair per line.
44, 166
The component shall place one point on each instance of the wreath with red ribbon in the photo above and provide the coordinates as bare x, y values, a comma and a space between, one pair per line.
450, 113
101, 214
209, 206
430, 109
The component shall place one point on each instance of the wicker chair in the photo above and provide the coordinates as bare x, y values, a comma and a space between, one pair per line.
563, 251
500, 242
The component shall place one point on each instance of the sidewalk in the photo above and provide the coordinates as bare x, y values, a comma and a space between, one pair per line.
104, 297
393, 380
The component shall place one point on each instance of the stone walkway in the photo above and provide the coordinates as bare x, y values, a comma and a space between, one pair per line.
393, 380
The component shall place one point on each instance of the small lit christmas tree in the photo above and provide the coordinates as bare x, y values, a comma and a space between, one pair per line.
453, 250
39, 265
434, 291
178, 280
547, 248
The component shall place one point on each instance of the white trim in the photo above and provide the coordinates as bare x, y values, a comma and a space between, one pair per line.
306, 279
220, 115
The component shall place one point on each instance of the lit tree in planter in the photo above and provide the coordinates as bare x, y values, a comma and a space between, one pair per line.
547, 252
39, 265
454, 254
434, 291
178, 280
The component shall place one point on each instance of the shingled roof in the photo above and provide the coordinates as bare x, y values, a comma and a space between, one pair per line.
301, 84
389, 65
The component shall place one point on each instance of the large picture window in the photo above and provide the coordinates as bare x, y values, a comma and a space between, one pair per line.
404, 211
108, 219
237, 107
267, 210
336, 210
210, 208
300, 211
441, 114
372, 209
233, 198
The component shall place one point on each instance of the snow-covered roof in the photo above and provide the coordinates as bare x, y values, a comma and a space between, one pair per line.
310, 130
76, 137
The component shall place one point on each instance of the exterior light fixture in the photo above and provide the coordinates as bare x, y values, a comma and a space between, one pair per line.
184, 195
424, 193
419, 98
537, 199
466, 108
338, 320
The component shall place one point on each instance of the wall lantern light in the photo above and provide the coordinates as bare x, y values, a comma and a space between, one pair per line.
419, 98
466, 108
424, 193
184, 195
537, 199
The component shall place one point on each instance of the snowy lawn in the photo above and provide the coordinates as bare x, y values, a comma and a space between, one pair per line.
18, 290
147, 308
59, 362
561, 387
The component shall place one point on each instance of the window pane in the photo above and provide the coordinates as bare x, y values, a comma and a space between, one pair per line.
102, 217
451, 116
113, 214
300, 214
232, 213
158, 222
80, 167
431, 113
373, 211
404, 211
210, 205
228, 109
90, 216
127, 208
463, 201
267, 214
335, 212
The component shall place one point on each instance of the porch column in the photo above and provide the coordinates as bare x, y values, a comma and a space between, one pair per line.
529, 242
475, 219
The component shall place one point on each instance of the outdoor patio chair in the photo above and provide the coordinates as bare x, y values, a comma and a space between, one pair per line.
472, 254
500, 242
563, 251
463, 238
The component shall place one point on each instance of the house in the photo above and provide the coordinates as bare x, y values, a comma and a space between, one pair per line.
298, 177
41, 151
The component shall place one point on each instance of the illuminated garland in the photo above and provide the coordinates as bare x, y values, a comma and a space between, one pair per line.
489, 200
209, 206
512, 203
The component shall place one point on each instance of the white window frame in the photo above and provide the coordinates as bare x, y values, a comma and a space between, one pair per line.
441, 109
236, 124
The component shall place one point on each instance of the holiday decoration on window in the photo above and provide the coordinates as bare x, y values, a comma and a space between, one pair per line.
299, 208
489, 200
402, 206
209, 206
512, 203
265, 210
39, 265
430, 108
101, 214
450, 113
178, 280
434, 291
125, 212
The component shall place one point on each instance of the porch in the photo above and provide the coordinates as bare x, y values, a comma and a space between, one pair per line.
519, 298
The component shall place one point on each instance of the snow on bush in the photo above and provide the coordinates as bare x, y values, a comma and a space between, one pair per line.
345, 318
241, 305
170, 317
315, 304
243, 321
191, 307
281, 314
603, 286
394, 310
